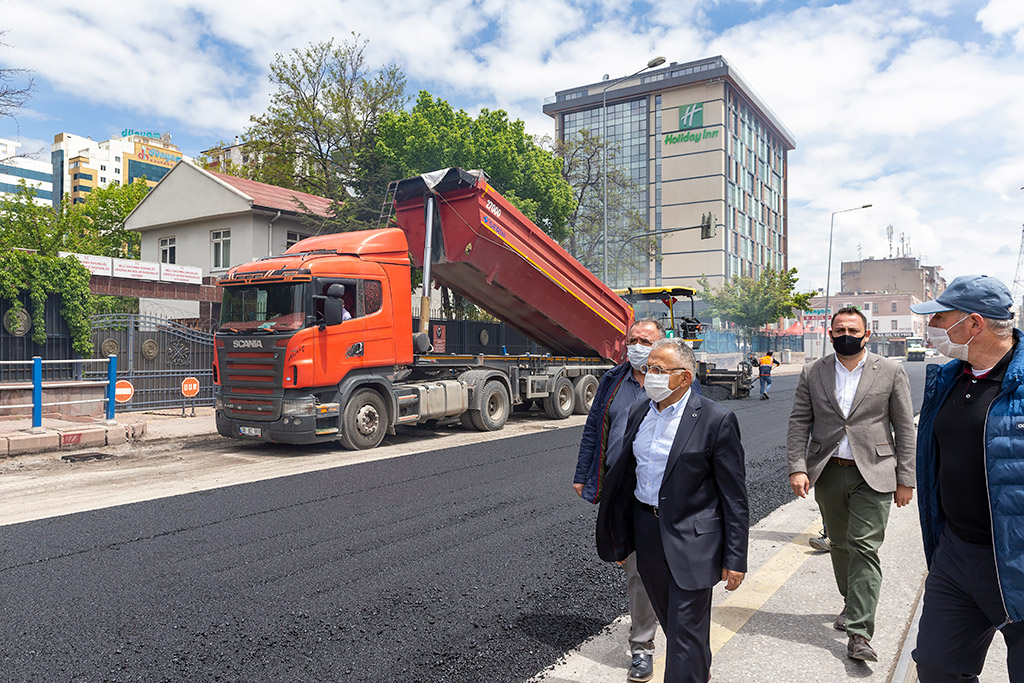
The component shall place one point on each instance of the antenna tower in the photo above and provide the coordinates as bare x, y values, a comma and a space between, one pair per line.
888, 232
1018, 279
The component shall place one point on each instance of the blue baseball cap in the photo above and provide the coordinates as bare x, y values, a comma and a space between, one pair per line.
981, 294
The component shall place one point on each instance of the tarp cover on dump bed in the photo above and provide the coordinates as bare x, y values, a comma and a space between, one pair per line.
490, 253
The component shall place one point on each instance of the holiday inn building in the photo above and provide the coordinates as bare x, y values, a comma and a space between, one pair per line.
696, 140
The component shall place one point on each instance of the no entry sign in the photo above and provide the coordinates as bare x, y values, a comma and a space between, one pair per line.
123, 391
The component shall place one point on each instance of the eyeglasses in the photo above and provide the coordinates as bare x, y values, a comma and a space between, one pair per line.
655, 370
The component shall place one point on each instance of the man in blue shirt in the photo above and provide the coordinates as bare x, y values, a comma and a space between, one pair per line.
677, 496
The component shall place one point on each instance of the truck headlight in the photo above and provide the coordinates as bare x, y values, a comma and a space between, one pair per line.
218, 402
298, 406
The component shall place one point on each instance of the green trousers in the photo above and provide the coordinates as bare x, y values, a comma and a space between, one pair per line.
855, 516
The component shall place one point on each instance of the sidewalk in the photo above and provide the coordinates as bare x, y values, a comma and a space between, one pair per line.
80, 434
777, 627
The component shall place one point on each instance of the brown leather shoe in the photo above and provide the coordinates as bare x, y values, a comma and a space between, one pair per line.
840, 623
858, 648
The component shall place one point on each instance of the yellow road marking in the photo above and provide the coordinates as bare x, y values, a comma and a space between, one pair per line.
729, 616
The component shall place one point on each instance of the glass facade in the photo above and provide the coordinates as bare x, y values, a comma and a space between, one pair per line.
627, 138
755, 168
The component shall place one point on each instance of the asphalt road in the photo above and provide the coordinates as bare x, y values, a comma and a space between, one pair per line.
466, 564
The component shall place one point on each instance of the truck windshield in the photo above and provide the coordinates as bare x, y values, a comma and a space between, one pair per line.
264, 308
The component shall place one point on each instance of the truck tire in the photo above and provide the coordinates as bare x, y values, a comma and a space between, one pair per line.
494, 405
584, 388
558, 404
365, 421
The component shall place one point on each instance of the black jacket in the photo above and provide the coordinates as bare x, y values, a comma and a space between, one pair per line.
703, 499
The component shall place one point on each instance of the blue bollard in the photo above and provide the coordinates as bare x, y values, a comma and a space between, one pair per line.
37, 392
111, 385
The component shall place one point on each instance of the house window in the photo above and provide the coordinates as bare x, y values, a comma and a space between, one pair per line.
874, 307
221, 240
293, 237
874, 326
895, 324
894, 308
167, 250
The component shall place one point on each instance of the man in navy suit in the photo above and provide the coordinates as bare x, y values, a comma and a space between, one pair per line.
677, 495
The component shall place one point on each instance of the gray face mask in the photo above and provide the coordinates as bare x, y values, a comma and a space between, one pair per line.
939, 338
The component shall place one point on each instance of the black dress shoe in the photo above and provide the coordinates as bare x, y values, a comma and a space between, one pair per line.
642, 668
859, 648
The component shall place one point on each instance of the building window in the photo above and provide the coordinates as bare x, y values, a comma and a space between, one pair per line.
292, 237
167, 250
103, 167
117, 159
117, 170
894, 308
895, 324
874, 307
221, 240
874, 326
102, 179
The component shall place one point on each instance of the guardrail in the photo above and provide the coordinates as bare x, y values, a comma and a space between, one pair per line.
37, 386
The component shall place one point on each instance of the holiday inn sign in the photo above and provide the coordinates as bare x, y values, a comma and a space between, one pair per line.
691, 126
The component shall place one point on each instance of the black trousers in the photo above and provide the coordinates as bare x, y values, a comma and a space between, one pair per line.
962, 610
685, 616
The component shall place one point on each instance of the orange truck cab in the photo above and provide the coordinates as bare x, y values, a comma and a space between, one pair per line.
317, 344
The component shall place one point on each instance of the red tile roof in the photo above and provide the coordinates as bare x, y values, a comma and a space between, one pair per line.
273, 197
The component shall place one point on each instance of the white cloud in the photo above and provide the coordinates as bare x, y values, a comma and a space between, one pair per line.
1001, 17
888, 104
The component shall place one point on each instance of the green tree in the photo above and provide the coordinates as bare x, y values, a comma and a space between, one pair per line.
583, 168
433, 135
318, 134
752, 303
95, 226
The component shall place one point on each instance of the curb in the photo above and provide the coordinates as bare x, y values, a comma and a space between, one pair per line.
73, 438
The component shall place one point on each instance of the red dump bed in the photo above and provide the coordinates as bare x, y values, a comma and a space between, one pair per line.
490, 253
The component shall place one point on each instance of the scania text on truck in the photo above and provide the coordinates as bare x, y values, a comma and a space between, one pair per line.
317, 344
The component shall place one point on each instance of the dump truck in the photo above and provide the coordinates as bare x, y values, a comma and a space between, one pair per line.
317, 344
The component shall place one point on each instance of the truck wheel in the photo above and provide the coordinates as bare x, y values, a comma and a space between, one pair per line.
493, 413
559, 403
365, 421
584, 388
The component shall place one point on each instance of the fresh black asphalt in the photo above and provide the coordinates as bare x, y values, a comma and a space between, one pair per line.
467, 564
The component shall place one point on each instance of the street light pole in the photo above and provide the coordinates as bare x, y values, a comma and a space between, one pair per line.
828, 273
656, 61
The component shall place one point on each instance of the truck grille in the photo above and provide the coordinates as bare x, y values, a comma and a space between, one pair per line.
251, 383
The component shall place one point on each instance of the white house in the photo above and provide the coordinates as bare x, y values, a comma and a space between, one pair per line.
213, 221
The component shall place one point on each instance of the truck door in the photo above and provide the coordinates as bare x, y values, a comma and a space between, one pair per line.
337, 349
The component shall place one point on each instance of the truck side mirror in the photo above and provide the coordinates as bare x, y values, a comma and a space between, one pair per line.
334, 305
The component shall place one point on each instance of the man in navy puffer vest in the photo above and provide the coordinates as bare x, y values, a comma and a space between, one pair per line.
970, 482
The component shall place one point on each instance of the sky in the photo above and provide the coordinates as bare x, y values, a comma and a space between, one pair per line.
913, 106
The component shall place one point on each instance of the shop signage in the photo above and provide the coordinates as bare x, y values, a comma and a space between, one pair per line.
96, 265
691, 136
154, 155
136, 270
141, 133
691, 116
186, 275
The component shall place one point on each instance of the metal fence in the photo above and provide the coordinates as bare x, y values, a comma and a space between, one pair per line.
155, 355
17, 348
36, 366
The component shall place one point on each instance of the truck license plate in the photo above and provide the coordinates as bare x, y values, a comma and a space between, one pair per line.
250, 431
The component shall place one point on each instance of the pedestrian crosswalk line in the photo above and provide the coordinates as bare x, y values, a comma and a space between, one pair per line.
729, 616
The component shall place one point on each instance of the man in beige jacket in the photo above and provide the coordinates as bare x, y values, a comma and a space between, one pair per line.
852, 437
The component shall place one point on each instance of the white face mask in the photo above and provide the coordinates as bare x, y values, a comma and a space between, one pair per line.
637, 354
657, 387
939, 338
